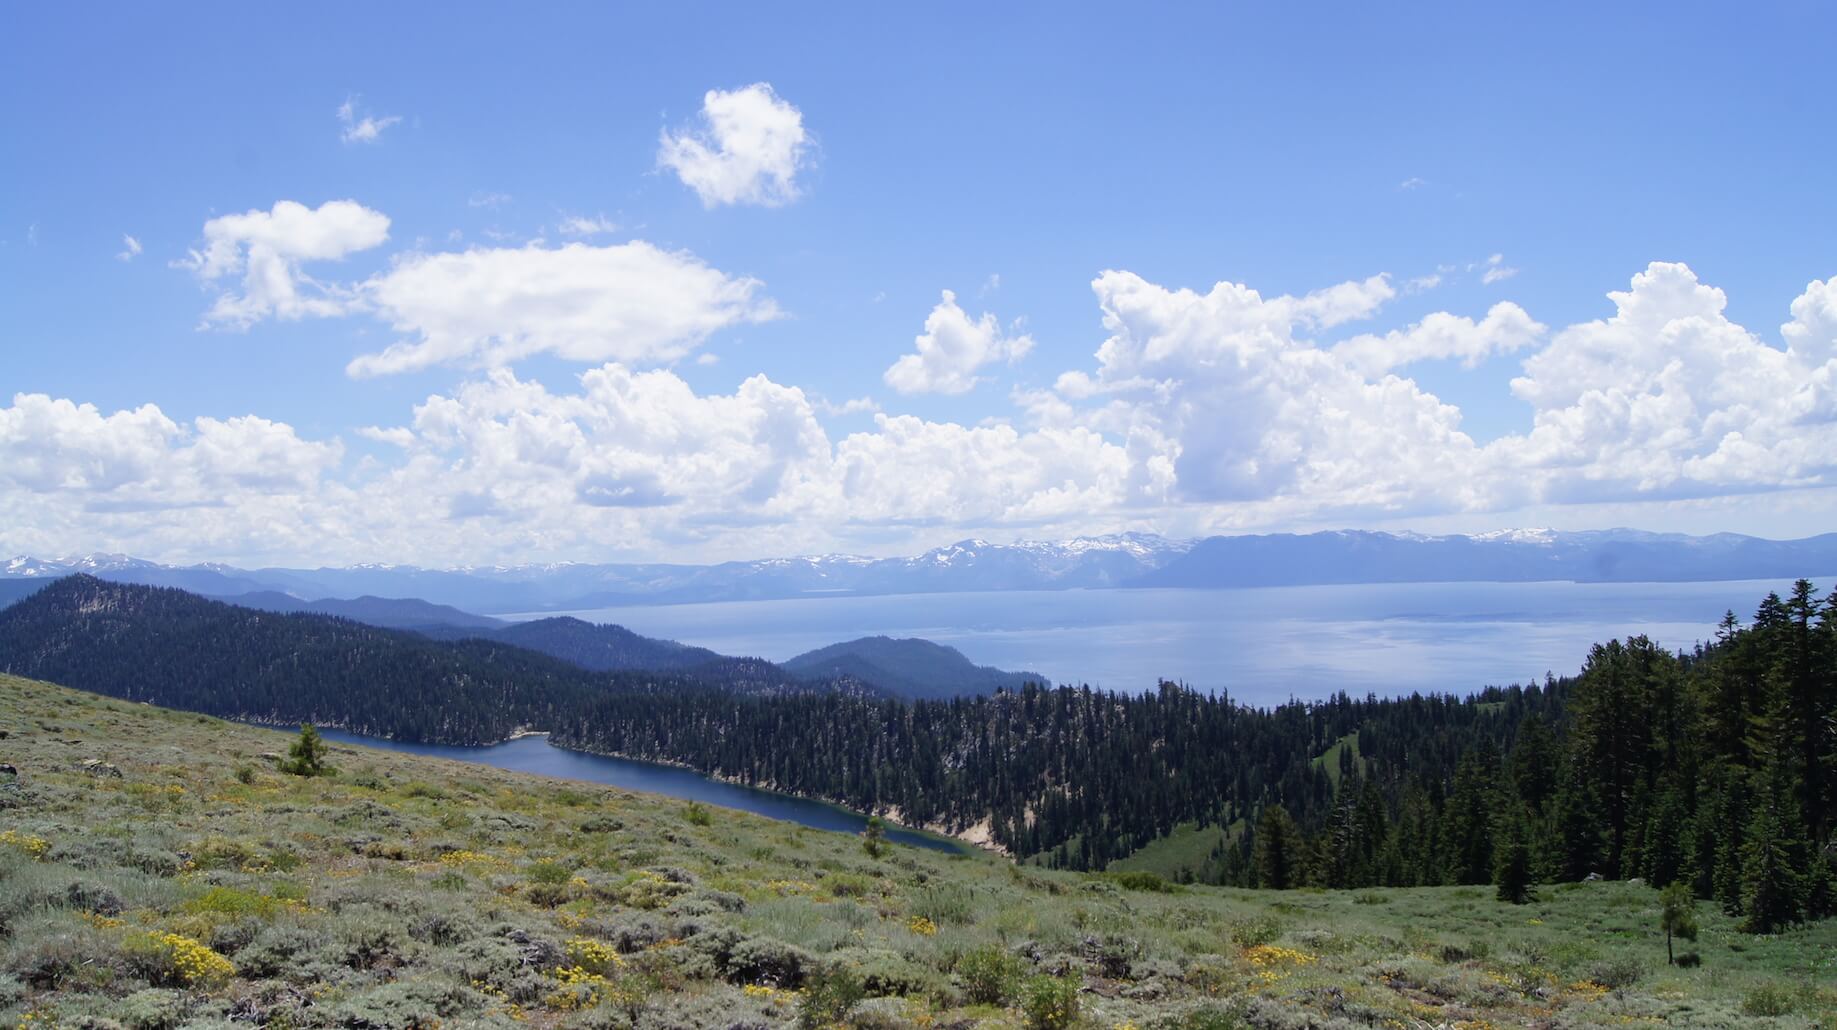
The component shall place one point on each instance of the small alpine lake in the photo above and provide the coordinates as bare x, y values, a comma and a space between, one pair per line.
534, 754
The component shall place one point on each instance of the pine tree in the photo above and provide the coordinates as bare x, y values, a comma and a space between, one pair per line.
874, 837
1770, 884
1280, 850
1467, 836
1512, 870
307, 755
1677, 915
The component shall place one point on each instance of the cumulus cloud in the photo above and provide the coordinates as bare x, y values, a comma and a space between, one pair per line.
1505, 328
629, 302
1667, 397
366, 128
130, 248
748, 149
266, 250
56, 446
1200, 411
951, 349
1223, 401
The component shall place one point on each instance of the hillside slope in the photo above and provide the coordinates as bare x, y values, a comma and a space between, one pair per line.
156, 871
150, 643
911, 668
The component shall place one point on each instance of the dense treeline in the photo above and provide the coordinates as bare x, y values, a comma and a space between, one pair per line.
1716, 768
1085, 776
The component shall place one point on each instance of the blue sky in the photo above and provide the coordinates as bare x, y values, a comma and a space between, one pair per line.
1540, 157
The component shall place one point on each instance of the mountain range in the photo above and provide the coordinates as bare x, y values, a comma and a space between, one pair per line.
1122, 560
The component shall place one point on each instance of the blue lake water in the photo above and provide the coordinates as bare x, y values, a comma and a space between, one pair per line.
535, 754
1263, 644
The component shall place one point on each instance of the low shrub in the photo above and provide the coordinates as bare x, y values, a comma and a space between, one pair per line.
1255, 931
170, 959
989, 974
828, 995
1768, 999
1049, 1002
1616, 973
1142, 880
152, 1009
945, 903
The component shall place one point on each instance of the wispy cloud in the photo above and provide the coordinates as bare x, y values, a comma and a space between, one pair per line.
587, 225
365, 129
130, 248
1496, 270
1413, 183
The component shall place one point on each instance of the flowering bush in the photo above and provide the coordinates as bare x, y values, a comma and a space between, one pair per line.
1050, 1002
34, 846
175, 958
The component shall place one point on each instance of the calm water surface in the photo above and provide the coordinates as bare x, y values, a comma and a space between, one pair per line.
536, 755
1264, 645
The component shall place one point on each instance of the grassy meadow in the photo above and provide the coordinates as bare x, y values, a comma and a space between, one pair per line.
156, 870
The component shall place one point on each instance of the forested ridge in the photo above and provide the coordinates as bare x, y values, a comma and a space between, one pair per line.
1716, 767
173, 648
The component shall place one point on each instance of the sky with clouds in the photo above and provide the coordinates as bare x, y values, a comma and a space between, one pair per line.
355, 283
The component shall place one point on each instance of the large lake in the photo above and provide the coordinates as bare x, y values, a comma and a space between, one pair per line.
534, 754
1263, 645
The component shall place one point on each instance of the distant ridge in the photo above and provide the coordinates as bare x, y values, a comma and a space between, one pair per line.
1121, 560
909, 667
1612, 556
387, 612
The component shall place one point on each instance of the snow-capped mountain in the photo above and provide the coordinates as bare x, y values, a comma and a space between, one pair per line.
1119, 560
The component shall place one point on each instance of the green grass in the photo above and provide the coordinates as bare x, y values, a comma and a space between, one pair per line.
1329, 759
1186, 849
417, 892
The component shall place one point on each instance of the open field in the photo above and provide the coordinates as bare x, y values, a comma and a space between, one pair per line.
202, 887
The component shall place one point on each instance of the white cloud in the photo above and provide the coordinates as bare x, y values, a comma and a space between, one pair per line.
1201, 411
748, 150
706, 358
365, 129
1812, 333
130, 248
853, 406
267, 248
951, 349
1496, 270
1223, 403
1668, 398
141, 458
395, 436
1413, 182
488, 199
1505, 328
587, 225
629, 302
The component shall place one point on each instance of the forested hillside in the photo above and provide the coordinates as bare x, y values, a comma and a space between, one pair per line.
909, 668
1717, 767
169, 647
